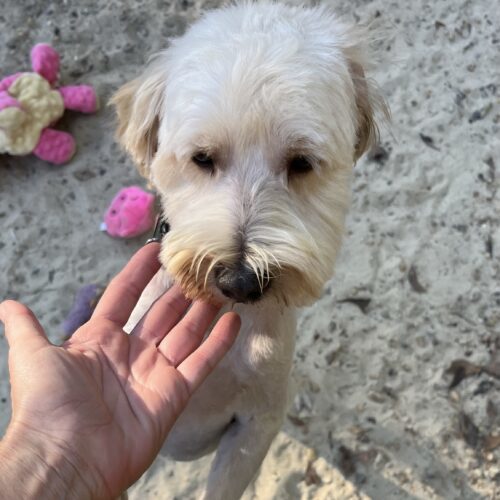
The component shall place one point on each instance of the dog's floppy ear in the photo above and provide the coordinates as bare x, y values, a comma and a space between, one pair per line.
369, 103
367, 130
138, 105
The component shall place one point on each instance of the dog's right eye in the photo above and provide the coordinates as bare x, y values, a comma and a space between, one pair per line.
299, 165
204, 161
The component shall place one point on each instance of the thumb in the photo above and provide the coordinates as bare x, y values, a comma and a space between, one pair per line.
21, 325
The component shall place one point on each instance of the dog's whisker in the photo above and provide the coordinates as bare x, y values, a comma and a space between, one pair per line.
276, 261
198, 262
211, 266
260, 266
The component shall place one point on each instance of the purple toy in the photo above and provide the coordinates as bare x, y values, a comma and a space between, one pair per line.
85, 301
30, 104
131, 213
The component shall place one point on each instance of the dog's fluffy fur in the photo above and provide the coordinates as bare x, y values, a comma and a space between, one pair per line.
253, 87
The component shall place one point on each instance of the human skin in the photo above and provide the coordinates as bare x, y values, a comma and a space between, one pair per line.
89, 417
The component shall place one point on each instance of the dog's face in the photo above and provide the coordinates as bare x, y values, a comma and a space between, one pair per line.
248, 126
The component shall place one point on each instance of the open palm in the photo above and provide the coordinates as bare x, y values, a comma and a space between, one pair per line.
109, 397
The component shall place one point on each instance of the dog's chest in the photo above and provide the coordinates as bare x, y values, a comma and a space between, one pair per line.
252, 379
256, 366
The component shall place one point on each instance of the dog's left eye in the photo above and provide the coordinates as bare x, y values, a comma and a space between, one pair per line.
299, 165
204, 161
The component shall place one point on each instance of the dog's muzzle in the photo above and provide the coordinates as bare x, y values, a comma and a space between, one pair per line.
240, 283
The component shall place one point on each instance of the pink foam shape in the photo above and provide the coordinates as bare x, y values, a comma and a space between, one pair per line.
7, 101
79, 98
130, 213
45, 62
6, 82
55, 146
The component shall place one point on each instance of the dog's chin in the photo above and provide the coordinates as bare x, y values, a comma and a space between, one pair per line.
290, 287
275, 295
220, 298
288, 290
213, 295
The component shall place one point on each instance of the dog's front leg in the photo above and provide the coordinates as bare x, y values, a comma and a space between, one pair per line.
158, 285
239, 455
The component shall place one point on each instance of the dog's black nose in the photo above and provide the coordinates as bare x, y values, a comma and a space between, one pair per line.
240, 283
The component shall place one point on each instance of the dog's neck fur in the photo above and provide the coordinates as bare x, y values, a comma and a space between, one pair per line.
265, 326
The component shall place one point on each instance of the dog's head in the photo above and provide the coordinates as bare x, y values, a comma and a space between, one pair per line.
248, 126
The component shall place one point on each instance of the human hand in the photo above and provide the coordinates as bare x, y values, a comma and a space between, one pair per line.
90, 416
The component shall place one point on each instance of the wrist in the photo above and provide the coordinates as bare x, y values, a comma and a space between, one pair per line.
33, 465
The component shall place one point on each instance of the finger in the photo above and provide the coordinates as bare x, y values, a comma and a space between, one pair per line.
188, 334
196, 368
163, 315
21, 326
126, 287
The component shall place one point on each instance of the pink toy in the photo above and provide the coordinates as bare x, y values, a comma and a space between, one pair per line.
131, 213
30, 103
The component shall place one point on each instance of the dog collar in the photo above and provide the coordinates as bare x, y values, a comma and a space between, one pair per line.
162, 227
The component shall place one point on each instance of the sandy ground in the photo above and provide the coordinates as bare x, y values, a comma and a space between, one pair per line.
417, 286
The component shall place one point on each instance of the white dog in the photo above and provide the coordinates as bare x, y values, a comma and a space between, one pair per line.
249, 126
